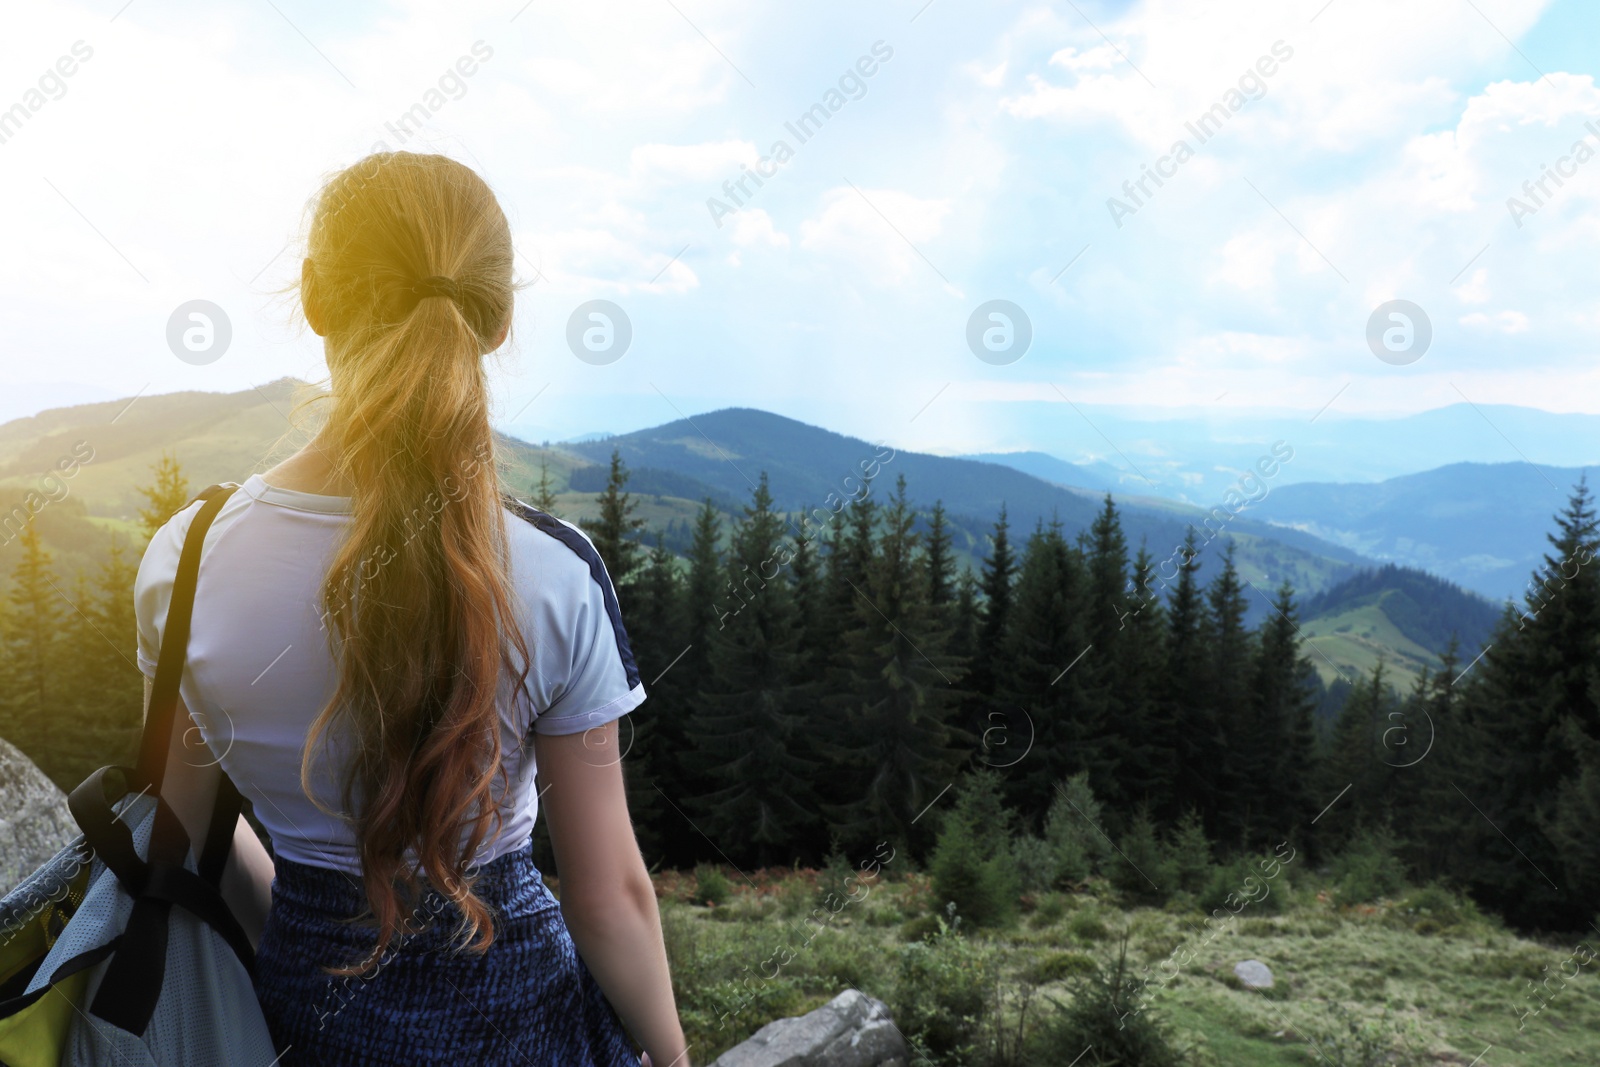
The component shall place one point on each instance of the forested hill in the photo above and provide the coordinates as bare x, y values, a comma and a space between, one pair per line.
728, 450
1407, 616
720, 454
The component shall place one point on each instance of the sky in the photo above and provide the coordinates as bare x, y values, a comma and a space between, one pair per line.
1314, 161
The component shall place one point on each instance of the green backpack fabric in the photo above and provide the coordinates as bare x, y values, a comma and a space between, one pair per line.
120, 949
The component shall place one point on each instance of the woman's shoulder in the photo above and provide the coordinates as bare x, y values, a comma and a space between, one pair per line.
554, 547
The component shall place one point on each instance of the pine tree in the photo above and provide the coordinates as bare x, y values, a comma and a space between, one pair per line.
1534, 700
654, 627
1044, 647
964, 619
613, 531
940, 563
33, 662
1352, 767
544, 496
1230, 669
753, 711
1277, 751
1140, 740
705, 607
898, 695
1188, 726
810, 602
167, 496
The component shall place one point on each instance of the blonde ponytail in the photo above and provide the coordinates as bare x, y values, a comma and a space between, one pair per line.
408, 277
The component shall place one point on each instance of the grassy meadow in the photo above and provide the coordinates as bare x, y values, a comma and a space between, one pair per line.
1419, 978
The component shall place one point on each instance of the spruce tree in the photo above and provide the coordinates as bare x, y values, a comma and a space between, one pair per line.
1141, 740
34, 661
613, 531
901, 743
544, 495
1534, 700
654, 628
705, 607
1044, 648
752, 719
1230, 670
167, 495
940, 563
1277, 752
1187, 724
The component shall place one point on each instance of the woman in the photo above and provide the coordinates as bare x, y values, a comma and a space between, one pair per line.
383, 651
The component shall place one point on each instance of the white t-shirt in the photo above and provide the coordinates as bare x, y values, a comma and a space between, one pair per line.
259, 668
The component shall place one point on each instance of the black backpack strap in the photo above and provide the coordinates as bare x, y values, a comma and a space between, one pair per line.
163, 710
133, 979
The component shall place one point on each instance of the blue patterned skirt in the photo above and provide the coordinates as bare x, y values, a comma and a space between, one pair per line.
528, 1000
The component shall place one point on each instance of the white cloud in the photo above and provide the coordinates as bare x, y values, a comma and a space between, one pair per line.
1506, 322
850, 227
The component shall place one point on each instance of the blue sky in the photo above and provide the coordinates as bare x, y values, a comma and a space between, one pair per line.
975, 163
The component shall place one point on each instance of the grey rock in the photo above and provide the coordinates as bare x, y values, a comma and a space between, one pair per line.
1254, 974
34, 821
851, 1030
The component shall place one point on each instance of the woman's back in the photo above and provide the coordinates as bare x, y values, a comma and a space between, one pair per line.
260, 667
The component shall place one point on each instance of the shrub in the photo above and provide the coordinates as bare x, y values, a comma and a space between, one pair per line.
1348, 1040
1435, 909
1087, 925
1050, 909
942, 995
1190, 855
710, 885
834, 880
981, 883
1140, 871
1060, 966
1106, 1012
1369, 869
1035, 863
1070, 830
1241, 887
921, 928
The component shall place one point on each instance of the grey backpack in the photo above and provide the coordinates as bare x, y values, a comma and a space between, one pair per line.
122, 949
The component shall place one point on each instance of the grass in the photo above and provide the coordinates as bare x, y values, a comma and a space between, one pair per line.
1449, 989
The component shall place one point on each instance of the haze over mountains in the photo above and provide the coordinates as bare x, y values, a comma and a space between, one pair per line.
1479, 525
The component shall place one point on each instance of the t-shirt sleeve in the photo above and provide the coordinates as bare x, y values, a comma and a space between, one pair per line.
152, 589
602, 682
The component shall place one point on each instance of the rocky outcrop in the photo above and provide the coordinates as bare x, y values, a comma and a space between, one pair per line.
34, 821
851, 1030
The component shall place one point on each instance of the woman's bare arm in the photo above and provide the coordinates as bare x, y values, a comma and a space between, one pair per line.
190, 789
606, 895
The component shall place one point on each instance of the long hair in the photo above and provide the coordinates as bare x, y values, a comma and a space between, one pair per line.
417, 599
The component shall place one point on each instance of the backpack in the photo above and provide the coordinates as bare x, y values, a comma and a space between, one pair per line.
120, 949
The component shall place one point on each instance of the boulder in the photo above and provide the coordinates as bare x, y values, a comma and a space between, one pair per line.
1253, 974
34, 821
851, 1030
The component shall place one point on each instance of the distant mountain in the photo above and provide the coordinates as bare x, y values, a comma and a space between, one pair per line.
1048, 468
1482, 525
1193, 458
729, 450
1405, 615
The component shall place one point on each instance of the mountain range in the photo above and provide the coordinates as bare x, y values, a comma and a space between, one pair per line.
1475, 524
